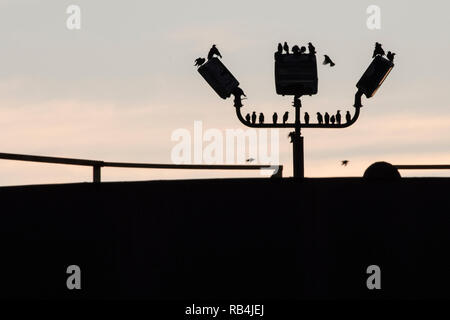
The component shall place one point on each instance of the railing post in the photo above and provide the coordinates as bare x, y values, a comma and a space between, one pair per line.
97, 173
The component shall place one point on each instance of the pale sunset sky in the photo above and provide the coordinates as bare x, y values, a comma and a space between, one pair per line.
116, 89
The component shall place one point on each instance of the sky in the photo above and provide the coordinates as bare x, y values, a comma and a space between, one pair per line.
117, 88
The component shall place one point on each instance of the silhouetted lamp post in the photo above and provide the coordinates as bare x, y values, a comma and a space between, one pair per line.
296, 75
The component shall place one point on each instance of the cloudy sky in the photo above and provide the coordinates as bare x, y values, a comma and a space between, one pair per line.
119, 87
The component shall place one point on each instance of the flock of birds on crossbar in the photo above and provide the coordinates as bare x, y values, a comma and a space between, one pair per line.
321, 119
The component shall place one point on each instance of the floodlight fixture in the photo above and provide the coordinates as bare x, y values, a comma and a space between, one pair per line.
218, 77
374, 76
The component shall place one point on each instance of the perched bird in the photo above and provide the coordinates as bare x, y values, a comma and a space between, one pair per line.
261, 118
238, 92
285, 117
338, 117
213, 51
327, 118
247, 117
378, 50
275, 117
292, 136
332, 119
348, 117
280, 49
390, 56
306, 117
254, 117
311, 48
199, 62
295, 49
250, 160
319, 118
286, 47
327, 60
302, 49
344, 163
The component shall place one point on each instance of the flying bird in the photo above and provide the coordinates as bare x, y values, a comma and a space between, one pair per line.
338, 117
280, 48
332, 119
261, 118
306, 117
286, 47
302, 49
199, 62
247, 117
250, 160
275, 117
344, 162
327, 60
327, 118
348, 117
253, 117
213, 51
378, 50
319, 118
390, 56
285, 117
311, 48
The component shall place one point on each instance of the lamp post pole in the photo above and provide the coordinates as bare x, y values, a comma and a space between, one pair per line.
297, 143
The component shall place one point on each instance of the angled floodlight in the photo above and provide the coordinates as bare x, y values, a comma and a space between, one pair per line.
296, 74
218, 77
374, 76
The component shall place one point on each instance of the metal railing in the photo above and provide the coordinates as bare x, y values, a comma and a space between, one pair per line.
97, 165
422, 166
